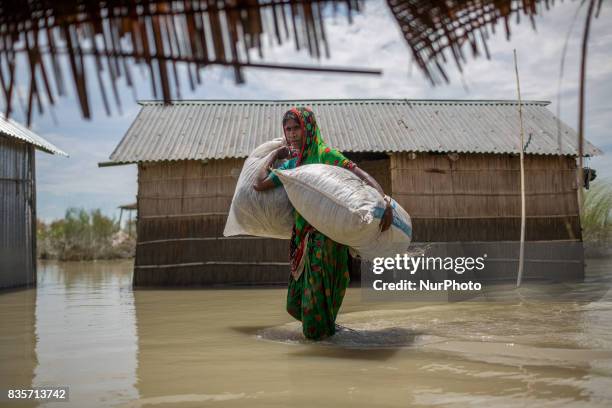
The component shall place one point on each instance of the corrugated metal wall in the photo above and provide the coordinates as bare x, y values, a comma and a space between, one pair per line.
17, 214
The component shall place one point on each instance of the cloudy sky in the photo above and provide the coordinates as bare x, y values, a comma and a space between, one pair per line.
372, 41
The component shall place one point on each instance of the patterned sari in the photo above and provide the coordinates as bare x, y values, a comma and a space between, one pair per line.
319, 266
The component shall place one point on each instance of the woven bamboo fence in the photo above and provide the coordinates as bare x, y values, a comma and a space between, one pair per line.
182, 209
183, 206
477, 197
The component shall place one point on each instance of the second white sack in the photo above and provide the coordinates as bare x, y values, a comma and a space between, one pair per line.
343, 207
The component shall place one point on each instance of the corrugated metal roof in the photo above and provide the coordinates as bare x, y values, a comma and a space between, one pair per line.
216, 129
11, 128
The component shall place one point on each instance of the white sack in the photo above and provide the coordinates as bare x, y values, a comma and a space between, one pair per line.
344, 208
261, 213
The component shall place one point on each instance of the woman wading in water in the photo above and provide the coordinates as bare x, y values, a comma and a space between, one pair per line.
319, 266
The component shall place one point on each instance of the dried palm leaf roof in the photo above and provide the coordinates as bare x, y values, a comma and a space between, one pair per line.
162, 34
158, 34
434, 28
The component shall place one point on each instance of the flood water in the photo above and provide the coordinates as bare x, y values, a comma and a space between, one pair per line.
84, 327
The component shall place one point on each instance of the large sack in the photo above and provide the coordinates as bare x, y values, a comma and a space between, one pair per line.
343, 207
261, 213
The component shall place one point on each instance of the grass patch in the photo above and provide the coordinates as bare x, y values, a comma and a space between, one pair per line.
596, 214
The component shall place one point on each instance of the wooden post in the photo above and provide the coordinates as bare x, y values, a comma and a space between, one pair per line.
519, 277
579, 173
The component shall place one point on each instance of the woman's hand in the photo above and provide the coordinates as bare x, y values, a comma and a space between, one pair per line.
283, 152
387, 218
263, 180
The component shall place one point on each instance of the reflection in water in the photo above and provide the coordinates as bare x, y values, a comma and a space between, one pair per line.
85, 328
85, 331
17, 339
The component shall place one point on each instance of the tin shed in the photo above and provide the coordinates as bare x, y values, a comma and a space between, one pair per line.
18, 202
452, 164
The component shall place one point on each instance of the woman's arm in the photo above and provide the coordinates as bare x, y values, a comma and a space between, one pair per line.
387, 218
263, 181
368, 179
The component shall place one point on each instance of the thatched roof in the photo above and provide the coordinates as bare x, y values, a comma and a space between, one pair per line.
161, 34
157, 34
433, 27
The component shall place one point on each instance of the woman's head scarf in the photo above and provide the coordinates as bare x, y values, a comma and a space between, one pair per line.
314, 149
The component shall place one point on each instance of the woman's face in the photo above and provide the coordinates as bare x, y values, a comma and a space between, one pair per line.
294, 134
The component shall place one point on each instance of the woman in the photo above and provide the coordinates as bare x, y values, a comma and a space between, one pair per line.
319, 266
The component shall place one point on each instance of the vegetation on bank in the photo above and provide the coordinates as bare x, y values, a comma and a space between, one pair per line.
597, 215
83, 235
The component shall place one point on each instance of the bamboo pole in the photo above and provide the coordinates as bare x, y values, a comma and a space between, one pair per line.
585, 41
519, 277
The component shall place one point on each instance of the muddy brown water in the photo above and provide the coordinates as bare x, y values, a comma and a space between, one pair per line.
84, 327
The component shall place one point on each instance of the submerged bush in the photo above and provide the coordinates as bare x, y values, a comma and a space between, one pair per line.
83, 235
596, 214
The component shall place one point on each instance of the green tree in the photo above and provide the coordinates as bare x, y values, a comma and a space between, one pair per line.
82, 235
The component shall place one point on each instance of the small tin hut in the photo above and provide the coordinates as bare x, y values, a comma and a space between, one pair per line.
452, 164
18, 202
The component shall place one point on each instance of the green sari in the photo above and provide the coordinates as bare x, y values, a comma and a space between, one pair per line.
319, 266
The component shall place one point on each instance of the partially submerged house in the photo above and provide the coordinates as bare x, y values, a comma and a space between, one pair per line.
18, 146
452, 164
